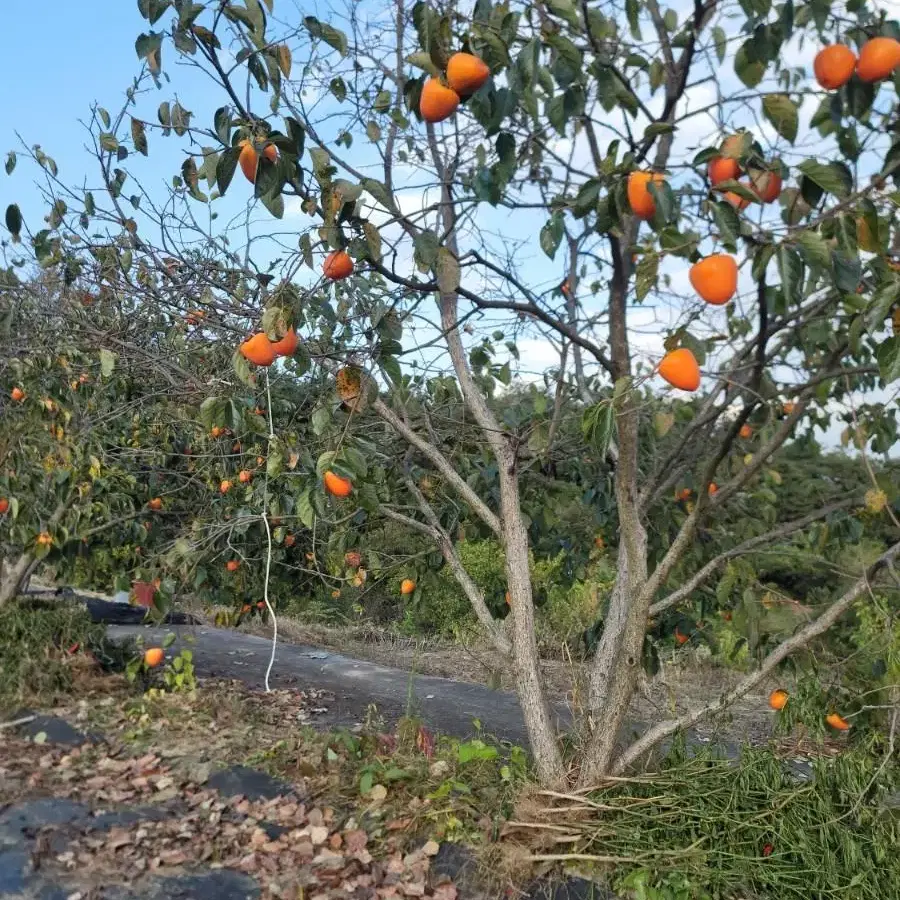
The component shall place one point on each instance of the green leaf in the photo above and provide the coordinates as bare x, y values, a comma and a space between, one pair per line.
378, 192
597, 425
147, 44
888, 355
721, 42
274, 203
790, 267
14, 220
419, 60
646, 275
425, 247
831, 177
138, 136
327, 33
881, 305
847, 272
373, 131
107, 362
728, 223
782, 112
552, 234
10, 162
814, 249
305, 510
225, 168
631, 12
747, 67
108, 141
446, 269
321, 419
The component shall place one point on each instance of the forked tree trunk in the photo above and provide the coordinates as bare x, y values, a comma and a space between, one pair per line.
15, 576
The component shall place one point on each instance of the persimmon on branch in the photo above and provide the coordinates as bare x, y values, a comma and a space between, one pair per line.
433, 529
796, 642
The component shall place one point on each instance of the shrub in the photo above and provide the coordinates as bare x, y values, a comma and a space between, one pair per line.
35, 640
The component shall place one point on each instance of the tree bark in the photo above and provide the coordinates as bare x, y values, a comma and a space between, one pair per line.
14, 577
536, 711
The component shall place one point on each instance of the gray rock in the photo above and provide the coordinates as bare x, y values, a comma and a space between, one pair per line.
24, 819
250, 783
14, 871
54, 729
219, 884
570, 889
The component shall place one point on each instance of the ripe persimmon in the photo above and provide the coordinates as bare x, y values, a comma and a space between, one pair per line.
437, 101
337, 266
287, 346
233, 565
4, 506
216, 431
244, 476
225, 486
156, 504
715, 278
837, 722
466, 73
712, 489
290, 540
833, 66
778, 699
680, 638
353, 559
248, 158
153, 656
407, 586
787, 407
639, 197
878, 59
17, 395
680, 369
683, 494
766, 185
258, 350
736, 200
746, 431
44, 539
336, 485
721, 168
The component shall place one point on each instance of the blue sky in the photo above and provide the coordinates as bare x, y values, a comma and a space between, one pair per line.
56, 63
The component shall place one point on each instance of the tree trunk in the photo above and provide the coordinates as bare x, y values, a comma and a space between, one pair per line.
617, 663
15, 577
529, 682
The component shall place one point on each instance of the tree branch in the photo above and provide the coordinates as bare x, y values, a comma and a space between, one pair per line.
819, 626
761, 540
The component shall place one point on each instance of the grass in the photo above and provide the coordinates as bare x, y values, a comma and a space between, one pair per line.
717, 829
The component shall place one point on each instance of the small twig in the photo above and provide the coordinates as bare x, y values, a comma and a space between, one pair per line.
15, 722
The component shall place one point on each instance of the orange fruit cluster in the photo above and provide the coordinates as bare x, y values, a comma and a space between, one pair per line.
834, 65
248, 159
441, 96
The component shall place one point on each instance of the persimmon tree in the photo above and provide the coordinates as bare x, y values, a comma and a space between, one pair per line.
546, 221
